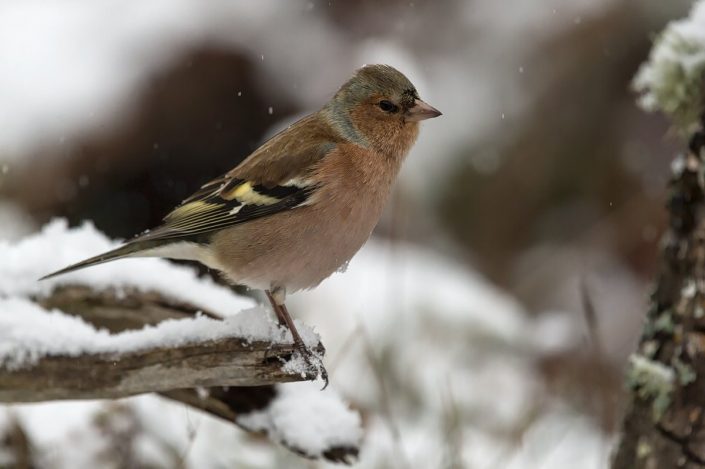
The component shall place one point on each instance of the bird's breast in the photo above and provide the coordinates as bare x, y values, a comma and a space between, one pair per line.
299, 248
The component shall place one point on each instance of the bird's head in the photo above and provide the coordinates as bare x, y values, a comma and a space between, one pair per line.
379, 107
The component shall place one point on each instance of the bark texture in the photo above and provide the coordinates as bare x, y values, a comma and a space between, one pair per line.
110, 376
664, 424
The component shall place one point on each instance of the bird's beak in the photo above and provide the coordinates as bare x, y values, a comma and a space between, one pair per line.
420, 111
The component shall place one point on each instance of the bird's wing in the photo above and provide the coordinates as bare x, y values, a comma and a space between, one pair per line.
228, 202
273, 179
223, 202
290, 153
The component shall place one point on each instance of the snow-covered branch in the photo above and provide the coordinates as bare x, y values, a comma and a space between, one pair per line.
51, 348
122, 330
130, 363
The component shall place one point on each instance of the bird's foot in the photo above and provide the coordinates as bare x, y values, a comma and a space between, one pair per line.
314, 363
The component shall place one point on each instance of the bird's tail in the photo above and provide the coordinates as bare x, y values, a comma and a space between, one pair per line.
126, 250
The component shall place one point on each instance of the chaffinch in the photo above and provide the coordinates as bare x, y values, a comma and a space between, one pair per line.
301, 205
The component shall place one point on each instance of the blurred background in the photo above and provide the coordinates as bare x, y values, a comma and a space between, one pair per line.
488, 322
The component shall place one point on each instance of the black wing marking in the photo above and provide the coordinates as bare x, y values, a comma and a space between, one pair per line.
226, 202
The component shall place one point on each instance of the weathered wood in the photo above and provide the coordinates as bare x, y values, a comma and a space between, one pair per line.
227, 362
224, 378
226, 403
133, 309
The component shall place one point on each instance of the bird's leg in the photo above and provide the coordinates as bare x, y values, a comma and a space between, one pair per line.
276, 298
285, 319
281, 319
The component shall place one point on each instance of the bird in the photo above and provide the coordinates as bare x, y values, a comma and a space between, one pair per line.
300, 206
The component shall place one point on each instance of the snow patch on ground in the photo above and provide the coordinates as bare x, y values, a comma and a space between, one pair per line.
417, 341
414, 341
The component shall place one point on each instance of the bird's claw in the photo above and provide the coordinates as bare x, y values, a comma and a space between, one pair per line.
314, 364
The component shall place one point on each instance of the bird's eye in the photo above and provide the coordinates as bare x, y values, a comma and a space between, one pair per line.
388, 106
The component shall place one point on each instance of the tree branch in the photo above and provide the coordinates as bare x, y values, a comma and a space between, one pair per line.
225, 378
222, 362
228, 362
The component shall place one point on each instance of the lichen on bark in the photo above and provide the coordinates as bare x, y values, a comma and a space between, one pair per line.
664, 424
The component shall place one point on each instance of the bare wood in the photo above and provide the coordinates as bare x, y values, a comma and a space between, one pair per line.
226, 362
226, 402
219, 363
133, 309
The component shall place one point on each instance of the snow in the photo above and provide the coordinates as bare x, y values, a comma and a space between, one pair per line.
412, 338
29, 332
300, 415
671, 80
560, 439
414, 341
420, 339
57, 246
404, 302
157, 433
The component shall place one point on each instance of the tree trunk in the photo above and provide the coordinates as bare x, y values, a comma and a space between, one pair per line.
664, 424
